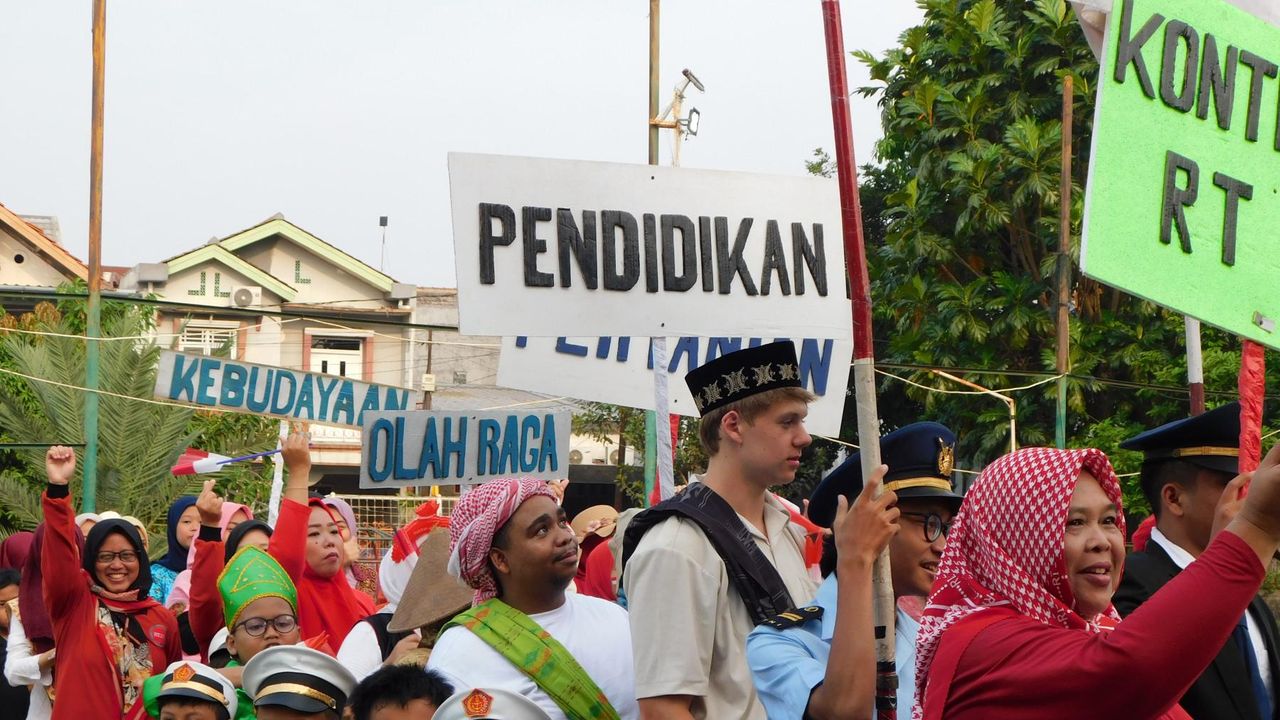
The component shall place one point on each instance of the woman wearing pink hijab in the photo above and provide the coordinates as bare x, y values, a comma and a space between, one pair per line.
232, 515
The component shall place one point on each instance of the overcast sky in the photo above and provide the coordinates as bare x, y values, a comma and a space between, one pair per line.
219, 114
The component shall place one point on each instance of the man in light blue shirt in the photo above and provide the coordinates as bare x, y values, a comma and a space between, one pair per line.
788, 654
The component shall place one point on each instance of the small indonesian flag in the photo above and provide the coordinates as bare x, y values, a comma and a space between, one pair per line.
194, 461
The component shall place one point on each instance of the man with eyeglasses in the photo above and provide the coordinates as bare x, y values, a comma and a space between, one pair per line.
789, 653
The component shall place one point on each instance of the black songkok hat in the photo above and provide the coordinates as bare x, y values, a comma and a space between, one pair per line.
730, 378
1210, 440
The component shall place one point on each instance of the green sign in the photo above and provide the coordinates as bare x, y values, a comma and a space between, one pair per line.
1183, 200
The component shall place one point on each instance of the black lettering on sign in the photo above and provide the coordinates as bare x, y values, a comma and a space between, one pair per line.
1236, 191
707, 265
728, 263
611, 221
1179, 33
813, 257
1262, 69
534, 246
1129, 48
1176, 198
1218, 79
775, 261
688, 275
582, 247
650, 253
490, 212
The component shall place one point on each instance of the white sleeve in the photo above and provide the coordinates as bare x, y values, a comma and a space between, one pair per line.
21, 668
360, 652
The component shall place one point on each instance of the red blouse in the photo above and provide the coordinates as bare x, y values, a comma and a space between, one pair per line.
87, 682
1018, 668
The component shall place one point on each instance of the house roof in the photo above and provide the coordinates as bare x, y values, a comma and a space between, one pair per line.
277, 225
218, 253
45, 246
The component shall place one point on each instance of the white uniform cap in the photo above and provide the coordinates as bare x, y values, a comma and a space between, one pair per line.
195, 681
298, 678
491, 704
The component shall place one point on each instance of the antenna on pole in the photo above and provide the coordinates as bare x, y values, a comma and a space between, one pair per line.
382, 262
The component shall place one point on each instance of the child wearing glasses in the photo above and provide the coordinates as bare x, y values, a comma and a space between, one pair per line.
805, 662
107, 628
260, 604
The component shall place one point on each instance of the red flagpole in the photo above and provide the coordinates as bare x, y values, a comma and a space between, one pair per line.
863, 352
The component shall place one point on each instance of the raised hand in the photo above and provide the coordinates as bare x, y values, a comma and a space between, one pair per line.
1230, 503
1261, 507
864, 530
297, 453
60, 464
209, 503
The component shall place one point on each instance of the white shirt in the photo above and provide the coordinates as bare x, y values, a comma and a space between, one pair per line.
594, 631
21, 667
1182, 559
360, 652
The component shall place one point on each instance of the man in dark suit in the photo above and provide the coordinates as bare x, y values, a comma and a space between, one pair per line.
1186, 465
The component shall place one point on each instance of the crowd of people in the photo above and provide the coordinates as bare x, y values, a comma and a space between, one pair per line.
1015, 600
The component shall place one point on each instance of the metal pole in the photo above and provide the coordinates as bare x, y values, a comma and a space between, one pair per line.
1064, 267
1013, 404
864, 381
93, 326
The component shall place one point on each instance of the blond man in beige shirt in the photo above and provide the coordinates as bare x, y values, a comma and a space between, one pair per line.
703, 569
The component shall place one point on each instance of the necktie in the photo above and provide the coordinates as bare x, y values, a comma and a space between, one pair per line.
1241, 636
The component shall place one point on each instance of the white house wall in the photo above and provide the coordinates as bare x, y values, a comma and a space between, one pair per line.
34, 270
316, 279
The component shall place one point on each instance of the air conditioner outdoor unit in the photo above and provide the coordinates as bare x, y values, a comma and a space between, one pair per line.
614, 458
246, 296
575, 457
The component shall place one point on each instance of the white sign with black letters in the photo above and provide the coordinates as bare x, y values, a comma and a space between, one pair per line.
545, 247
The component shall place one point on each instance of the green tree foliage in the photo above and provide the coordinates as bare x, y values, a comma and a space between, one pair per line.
138, 441
623, 426
962, 230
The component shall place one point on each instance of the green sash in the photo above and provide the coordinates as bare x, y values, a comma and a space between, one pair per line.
526, 645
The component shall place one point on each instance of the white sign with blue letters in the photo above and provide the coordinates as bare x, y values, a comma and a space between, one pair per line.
613, 370
264, 390
426, 447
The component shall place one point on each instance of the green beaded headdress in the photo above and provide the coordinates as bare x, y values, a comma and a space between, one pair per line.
249, 575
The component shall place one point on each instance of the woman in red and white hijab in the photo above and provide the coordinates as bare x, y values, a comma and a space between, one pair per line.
1020, 623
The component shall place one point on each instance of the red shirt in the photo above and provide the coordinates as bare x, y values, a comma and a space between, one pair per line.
205, 612
86, 679
325, 605
1019, 668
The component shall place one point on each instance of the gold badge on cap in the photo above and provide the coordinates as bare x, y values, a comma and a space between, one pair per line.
946, 457
477, 704
184, 673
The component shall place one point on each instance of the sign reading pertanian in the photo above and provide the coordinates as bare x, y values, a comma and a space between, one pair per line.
545, 247
264, 390
618, 370
426, 447
1183, 200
